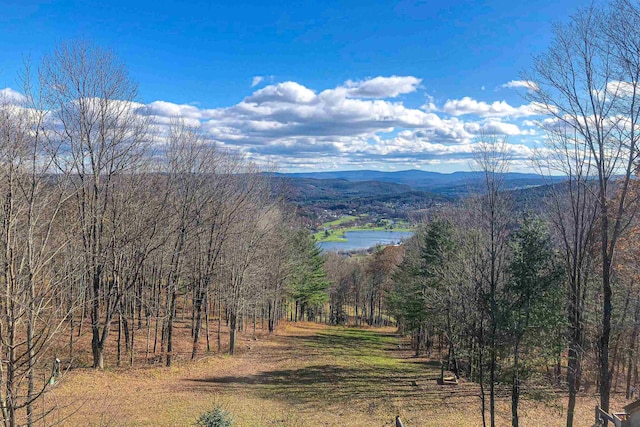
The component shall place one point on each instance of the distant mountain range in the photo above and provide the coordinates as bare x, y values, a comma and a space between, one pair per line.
323, 195
369, 182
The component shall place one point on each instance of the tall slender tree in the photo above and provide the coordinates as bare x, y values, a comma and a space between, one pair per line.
93, 98
588, 82
532, 302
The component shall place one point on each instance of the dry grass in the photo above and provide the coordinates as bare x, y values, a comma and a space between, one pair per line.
306, 375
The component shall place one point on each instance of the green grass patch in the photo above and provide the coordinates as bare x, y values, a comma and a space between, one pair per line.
330, 236
342, 220
348, 364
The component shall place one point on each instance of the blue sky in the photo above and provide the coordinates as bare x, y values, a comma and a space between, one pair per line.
316, 85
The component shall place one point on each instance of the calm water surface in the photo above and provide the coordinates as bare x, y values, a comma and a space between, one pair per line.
365, 239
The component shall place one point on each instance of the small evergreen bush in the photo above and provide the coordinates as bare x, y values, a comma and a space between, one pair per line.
216, 418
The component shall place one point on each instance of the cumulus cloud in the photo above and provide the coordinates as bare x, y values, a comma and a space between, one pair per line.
287, 92
500, 128
468, 106
351, 124
9, 95
169, 109
382, 87
515, 84
360, 123
619, 89
415, 146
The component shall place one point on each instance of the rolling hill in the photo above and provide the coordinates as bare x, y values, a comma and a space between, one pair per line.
396, 194
452, 184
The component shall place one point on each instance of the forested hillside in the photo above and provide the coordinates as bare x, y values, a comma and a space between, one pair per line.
113, 231
135, 246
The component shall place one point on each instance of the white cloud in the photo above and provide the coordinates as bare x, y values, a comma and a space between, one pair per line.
256, 80
412, 146
287, 92
8, 95
169, 109
618, 88
515, 84
470, 106
382, 87
356, 124
493, 127
500, 128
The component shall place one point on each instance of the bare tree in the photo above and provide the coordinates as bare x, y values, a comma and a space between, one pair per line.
588, 82
238, 271
32, 201
573, 213
189, 158
137, 215
225, 206
494, 219
93, 99
280, 269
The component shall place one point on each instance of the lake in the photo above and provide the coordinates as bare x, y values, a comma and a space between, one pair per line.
365, 239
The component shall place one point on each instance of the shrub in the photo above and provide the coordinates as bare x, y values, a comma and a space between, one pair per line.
216, 418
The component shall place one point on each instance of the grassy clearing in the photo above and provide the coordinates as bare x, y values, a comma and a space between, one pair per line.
374, 227
332, 231
342, 220
307, 375
336, 235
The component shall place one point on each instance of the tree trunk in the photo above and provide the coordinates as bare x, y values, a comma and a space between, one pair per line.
97, 347
172, 310
573, 380
219, 337
119, 349
199, 300
631, 350
232, 332
206, 323
605, 373
515, 388
98, 356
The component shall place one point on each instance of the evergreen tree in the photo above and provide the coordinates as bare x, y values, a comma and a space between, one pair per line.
532, 302
420, 281
310, 285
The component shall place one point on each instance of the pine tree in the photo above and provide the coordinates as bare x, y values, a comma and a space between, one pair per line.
532, 303
310, 285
